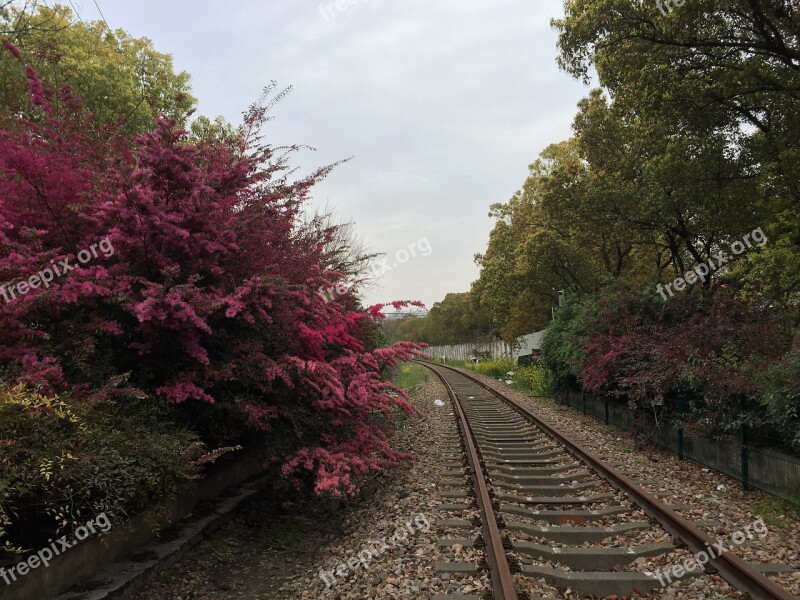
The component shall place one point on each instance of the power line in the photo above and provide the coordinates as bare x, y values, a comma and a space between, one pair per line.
77, 14
102, 16
97, 6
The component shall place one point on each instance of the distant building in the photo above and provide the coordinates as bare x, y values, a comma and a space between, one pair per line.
402, 314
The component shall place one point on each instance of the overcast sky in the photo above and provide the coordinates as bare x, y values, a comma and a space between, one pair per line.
441, 105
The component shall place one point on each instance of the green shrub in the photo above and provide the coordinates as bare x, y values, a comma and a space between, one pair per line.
63, 463
533, 379
494, 368
780, 401
561, 352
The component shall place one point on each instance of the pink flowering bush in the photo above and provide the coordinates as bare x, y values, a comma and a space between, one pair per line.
209, 297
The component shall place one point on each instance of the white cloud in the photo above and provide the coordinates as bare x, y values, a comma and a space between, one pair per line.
442, 104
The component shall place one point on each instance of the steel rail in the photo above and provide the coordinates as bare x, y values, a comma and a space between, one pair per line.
499, 569
733, 569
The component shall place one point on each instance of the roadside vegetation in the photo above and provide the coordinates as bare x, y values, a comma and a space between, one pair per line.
668, 221
534, 379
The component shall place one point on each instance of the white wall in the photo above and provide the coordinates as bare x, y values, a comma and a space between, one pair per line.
496, 349
528, 343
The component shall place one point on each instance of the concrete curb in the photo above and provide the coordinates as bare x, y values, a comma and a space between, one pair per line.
124, 578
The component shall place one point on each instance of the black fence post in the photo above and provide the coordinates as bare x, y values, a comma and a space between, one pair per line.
681, 409
606, 411
745, 458
743, 441
583, 399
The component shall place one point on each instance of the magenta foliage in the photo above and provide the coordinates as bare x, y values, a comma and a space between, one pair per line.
647, 352
11, 48
209, 295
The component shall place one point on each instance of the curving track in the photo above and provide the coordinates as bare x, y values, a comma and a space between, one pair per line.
551, 511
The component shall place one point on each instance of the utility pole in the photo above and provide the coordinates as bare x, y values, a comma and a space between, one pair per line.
561, 294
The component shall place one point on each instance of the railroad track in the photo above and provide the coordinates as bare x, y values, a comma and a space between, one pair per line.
549, 510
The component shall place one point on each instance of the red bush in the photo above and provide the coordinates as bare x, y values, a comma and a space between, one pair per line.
644, 350
209, 294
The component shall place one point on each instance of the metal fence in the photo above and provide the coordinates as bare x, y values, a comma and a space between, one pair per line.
742, 458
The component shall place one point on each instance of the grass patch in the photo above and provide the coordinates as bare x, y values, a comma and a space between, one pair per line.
410, 375
774, 508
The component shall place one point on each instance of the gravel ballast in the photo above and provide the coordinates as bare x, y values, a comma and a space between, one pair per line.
297, 558
245, 561
715, 503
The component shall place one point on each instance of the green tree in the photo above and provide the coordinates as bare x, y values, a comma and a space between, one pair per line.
559, 232
456, 319
680, 195
712, 85
122, 79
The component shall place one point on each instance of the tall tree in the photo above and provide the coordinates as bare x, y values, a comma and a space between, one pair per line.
715, 84
121, 79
